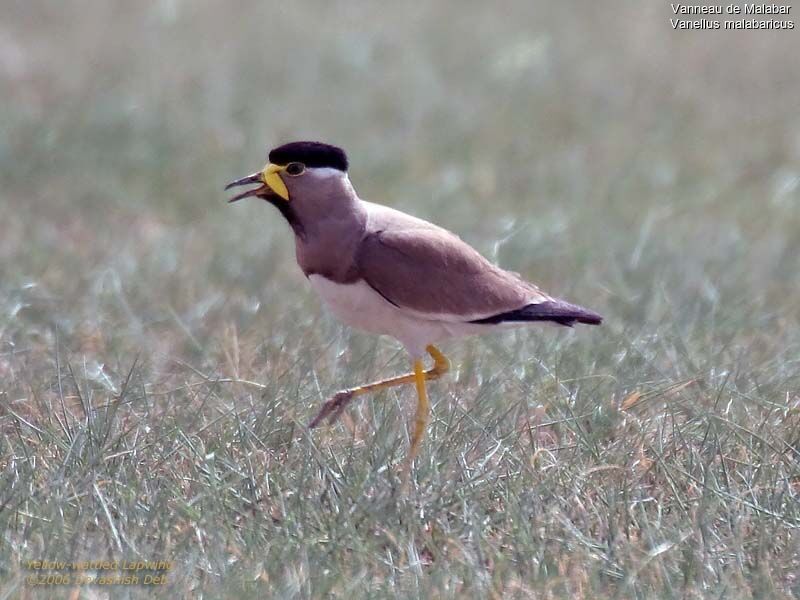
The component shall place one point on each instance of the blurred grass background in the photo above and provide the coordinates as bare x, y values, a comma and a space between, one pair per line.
160, 351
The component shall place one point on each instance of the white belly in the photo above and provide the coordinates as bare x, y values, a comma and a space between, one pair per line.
360, 306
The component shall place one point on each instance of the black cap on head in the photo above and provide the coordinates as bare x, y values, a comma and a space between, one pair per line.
311, 154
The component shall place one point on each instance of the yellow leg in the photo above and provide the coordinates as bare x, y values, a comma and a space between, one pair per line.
423, 408
334, 407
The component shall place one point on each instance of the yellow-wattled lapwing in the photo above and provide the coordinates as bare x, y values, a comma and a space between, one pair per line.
386, 272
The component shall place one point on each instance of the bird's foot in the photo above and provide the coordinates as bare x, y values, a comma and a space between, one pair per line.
333, 408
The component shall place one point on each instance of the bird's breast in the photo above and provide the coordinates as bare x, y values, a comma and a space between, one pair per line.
358, 305
329, 251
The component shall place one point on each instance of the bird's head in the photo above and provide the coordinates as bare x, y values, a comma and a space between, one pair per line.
298, 173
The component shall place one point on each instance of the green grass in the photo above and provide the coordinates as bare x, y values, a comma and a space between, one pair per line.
160, 352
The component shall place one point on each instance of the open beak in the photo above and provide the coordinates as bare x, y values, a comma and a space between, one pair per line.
271, 184
254, 178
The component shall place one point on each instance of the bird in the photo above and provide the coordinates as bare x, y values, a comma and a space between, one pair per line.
386, 272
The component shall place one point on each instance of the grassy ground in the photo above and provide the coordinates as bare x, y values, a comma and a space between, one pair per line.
160, 352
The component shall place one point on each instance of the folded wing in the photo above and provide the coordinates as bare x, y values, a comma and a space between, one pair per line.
433, 274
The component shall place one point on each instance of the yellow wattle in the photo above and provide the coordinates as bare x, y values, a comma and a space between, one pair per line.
271, 178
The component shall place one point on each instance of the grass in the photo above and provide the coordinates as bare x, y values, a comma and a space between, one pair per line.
160, 352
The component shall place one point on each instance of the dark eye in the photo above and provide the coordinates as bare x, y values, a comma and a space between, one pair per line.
295, 168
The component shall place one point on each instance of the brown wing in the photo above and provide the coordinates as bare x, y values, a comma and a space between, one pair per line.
434, 274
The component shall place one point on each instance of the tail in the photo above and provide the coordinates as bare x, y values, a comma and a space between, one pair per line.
553, 310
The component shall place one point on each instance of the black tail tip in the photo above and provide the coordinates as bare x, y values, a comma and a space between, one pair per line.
557, 311
590, 318
583, 318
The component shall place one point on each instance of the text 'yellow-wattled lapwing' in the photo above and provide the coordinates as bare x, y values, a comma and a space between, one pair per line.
383, 271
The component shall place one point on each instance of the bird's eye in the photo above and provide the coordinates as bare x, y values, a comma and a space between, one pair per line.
295, 168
